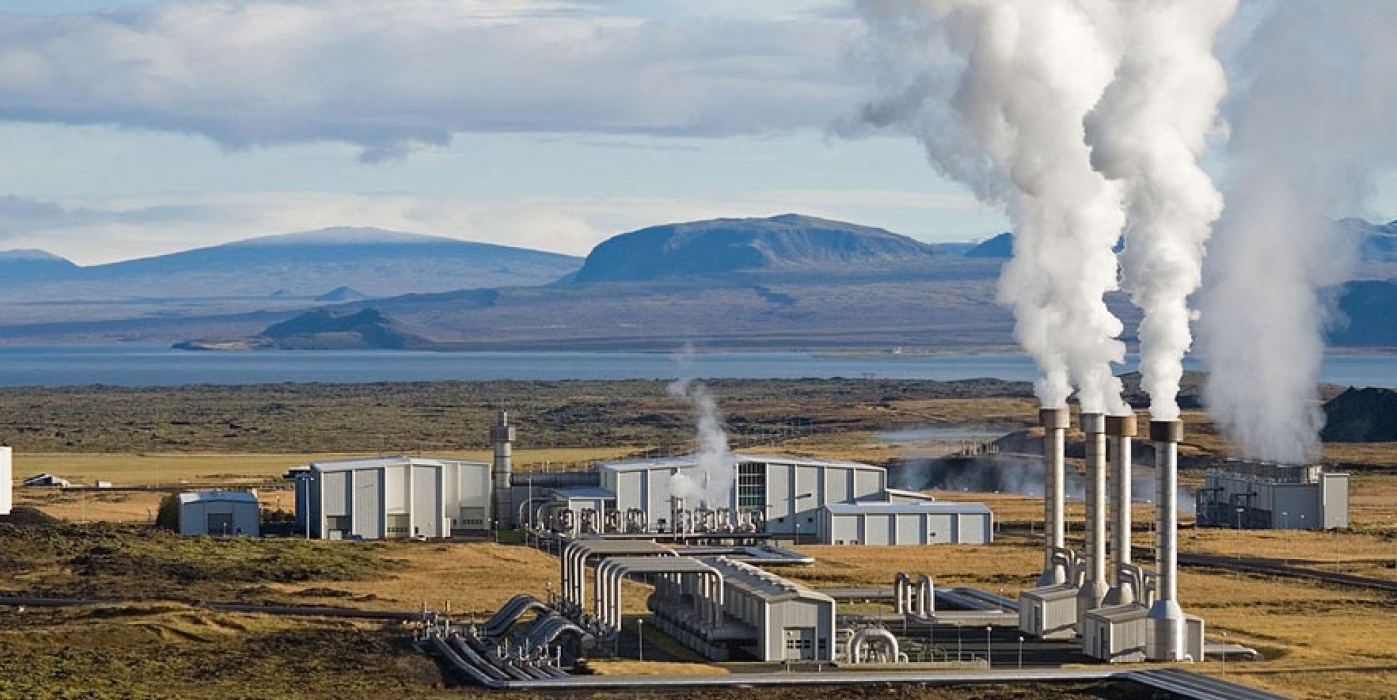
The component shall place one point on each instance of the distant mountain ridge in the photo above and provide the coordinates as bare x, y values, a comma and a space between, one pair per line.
287, 271
721, 246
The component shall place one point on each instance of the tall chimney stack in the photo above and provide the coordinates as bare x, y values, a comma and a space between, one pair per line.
1165, 622
1093, 590
1055, 421
1120, 430
502, 437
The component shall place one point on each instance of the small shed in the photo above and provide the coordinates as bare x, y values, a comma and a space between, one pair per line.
232, 513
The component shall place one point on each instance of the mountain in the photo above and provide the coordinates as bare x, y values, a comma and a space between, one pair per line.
722, 246
785, 282
1001, 246
338, 294
373, 261
1368, 308
272, 273
28, 264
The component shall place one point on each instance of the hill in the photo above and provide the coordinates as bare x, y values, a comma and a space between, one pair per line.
1001, 246
722, 246
1368, 308
1361, 415
274, 272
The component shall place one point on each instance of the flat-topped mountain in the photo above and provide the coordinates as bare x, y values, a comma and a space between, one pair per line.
721, 246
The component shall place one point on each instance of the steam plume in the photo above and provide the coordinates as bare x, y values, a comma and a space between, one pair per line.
1148, 132
1316, 119
996, 92
711, 485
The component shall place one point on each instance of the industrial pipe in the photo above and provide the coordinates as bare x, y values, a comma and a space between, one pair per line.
1166, 619
1093, 590
1120, 430
1055, 422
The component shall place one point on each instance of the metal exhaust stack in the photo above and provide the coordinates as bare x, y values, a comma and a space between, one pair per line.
502, 437
1094, 589
1120, 430
1055, 421
1165, 622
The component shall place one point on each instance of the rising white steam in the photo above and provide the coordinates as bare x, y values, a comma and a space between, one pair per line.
1149, 132
1317, 118
997, 91
710, 483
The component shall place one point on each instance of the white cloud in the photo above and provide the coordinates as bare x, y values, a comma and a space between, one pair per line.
385, 76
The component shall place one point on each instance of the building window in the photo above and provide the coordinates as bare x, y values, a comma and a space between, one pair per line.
751, 485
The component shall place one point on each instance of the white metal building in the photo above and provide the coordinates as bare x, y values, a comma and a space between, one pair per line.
782, 492
1264, 495
220, 513
792, 622
392, 497
905, 523
7, 486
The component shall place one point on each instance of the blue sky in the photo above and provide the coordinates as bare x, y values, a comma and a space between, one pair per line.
131, 129
134, 129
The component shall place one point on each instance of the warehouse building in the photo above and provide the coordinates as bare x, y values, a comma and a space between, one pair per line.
220, 513
905, 523
768, 494
392, 498
7, 487
1245, 494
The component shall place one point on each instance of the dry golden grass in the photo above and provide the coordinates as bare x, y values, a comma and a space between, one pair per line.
624, 667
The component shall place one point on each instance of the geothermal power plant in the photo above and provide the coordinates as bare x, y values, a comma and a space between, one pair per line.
714, 559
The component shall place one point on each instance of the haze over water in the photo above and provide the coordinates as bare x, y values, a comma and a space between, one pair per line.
161, 366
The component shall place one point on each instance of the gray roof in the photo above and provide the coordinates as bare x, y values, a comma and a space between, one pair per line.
688, 461
883, 507
588, 492
761, 583
353, 463
218, 497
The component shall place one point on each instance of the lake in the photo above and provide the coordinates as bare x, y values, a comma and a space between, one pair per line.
163, 366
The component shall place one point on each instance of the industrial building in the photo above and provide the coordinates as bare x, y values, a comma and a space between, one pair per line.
797, 497
392, 498
220, 513
1265, 495
905, 523
7, 487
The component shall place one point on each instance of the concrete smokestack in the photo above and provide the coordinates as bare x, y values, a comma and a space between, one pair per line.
1055, 422
1120, 430
1094, 589
1165, 622
502, 437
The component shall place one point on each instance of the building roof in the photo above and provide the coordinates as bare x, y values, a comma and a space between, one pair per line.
688, 461
761, 583
218, 497
353, 463
884, 508
590, 493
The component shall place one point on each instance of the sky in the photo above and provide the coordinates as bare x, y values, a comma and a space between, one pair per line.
130, 129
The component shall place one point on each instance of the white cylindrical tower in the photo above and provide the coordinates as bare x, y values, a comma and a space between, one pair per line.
1119, 431
1166, 618
1055, 422
502, 437
1094, 589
